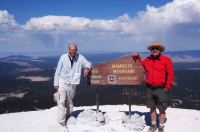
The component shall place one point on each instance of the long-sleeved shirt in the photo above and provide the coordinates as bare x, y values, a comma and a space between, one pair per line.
70, 73
159, 71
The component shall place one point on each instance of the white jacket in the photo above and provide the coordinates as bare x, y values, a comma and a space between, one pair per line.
69, 74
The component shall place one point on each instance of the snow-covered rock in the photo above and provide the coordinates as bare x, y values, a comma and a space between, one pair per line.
46, 120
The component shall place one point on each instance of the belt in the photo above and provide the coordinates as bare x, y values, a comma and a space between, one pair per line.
151, 86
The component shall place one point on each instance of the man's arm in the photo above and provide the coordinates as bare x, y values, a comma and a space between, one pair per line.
57, 74
170, 75
56, 87
86, 71
137, 56
87, 65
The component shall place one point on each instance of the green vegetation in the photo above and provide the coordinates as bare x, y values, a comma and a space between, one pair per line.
39, 94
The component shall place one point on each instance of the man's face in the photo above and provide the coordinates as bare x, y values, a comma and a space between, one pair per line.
155, 51
72, 50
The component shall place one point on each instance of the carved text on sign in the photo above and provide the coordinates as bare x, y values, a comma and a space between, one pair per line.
123, 71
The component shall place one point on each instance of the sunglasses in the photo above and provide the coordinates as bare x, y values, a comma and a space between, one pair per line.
155, 48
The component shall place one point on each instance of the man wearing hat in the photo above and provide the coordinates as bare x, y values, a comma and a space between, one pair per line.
159, 79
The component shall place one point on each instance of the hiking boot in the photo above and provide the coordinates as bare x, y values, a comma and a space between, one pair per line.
63, 124
152, 128
161, 129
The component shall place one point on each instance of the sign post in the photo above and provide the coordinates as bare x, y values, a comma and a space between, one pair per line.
129, 89
124, 71
97, 97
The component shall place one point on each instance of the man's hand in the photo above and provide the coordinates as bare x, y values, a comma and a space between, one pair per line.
86, 71
56, 87
135, 54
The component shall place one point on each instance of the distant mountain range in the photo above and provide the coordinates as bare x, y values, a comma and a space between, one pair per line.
102, 57
15, 58
18, 62
176, 55
27, 82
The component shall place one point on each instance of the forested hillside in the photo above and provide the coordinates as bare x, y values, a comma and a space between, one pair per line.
28, 86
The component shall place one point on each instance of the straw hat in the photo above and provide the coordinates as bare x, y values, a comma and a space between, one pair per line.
156, 44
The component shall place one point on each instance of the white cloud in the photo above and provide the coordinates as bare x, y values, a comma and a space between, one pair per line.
160, 20
175, 23
152, 20
178, 11
7, 21
52, 23
76, 24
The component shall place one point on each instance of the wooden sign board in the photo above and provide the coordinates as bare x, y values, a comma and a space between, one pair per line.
124, 71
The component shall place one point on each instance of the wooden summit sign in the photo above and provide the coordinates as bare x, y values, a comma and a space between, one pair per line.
124, 71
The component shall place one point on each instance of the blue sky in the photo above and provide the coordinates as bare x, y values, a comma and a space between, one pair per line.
98, 25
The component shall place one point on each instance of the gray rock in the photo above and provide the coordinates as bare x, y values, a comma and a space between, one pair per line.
100, 117
136, 123
88, 116
125, 119
114, 116
93, 118
71, 121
